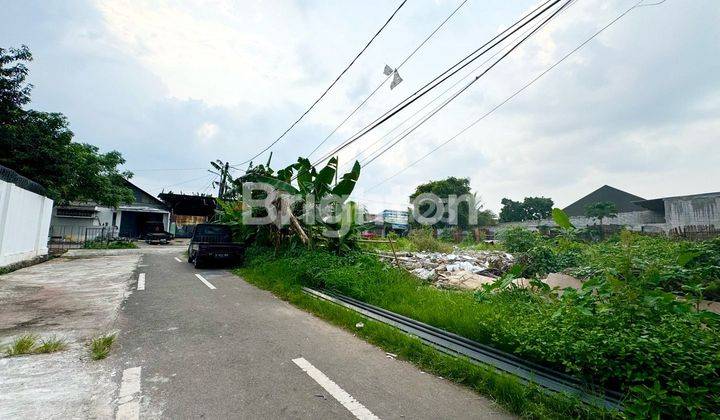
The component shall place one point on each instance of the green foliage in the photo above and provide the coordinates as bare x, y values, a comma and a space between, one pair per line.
687, 268
114, 244
531, 208
423, 240
51, 345
519, 239
14, 92
39, 145
562, 219
25, 344
312, 187
601, 210
458, 187
655, 262
486, 218
528, 401
100, 346
618, 334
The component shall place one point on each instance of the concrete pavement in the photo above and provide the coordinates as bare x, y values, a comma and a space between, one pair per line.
68, 299
234, 351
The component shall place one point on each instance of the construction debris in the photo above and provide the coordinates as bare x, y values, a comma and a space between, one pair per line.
463, 269
469, 270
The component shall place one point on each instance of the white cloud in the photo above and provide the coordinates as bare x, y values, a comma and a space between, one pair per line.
207, 131
211, 51
637, 108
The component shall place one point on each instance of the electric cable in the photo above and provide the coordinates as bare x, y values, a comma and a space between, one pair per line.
328, 88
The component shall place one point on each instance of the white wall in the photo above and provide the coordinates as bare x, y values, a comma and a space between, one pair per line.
73, 228
24, 224
696, 210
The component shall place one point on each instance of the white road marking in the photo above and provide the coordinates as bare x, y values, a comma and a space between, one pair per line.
129, 396
178, 259
357, 409
207, 283
141, 282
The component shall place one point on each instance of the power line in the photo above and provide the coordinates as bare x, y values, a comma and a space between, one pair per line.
444, 76
328, 88
517, 92
458, 93
166, 169
431, 102
388, 77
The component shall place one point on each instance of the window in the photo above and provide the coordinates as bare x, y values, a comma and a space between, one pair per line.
82, 213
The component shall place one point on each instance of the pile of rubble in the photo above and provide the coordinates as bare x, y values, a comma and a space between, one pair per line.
469, 270
463, 269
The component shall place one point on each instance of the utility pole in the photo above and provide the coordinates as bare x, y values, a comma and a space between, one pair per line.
223, 180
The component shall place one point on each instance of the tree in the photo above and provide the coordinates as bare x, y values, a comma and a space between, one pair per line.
14, 92
443, 189
601, 210
486, 218
537, 208
531, 208
39, 145
511, 211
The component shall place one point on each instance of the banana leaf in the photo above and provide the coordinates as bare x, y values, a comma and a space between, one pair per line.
347, 184
278, 184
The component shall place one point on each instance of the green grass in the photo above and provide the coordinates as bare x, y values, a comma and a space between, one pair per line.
51, 345
616, 335
518, 398
28, 344
25, 344
109, 245
100, 346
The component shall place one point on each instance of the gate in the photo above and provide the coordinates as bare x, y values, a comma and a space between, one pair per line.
62, 238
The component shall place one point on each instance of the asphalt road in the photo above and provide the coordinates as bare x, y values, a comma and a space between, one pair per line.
228, 353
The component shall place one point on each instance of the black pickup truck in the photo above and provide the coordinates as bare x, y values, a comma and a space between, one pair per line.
155, 233
212, 242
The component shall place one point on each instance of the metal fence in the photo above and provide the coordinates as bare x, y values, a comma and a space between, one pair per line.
62, 238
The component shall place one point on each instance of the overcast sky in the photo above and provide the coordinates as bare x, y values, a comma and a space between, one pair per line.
174, 85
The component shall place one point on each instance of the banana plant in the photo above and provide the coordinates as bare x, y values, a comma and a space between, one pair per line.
303, 179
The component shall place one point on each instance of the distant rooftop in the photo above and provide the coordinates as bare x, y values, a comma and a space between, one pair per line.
624, 201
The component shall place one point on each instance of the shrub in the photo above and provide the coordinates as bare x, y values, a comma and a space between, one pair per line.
423, 240
519, 239
114, 244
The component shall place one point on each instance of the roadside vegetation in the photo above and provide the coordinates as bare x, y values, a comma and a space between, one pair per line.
689, 269
114, 244
100, 346
614, 333
28, 344
633, 327
278, 275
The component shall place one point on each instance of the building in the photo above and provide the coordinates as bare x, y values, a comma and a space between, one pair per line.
695, 216
629, 213
186, 211
24, 218
394, 220
78, 222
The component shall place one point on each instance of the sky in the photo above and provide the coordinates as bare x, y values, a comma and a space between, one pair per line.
175, 85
